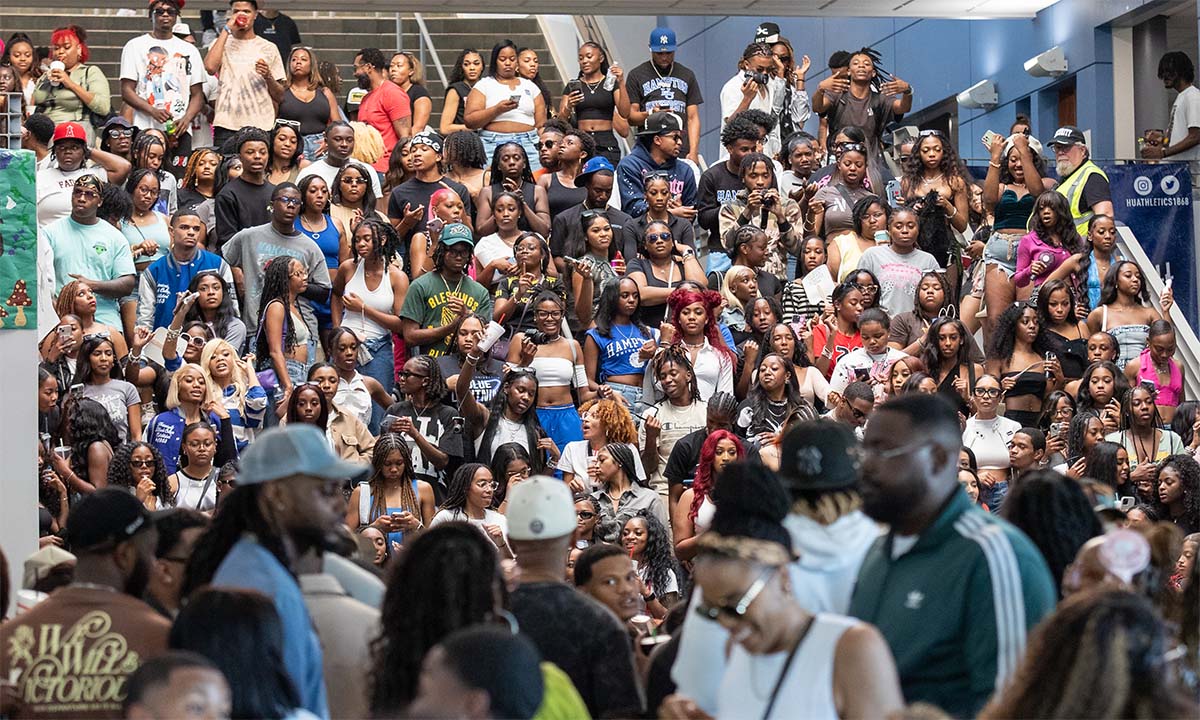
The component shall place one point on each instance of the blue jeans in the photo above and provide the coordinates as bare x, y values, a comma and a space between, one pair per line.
528, 140
996, 498
383, 368
311, 142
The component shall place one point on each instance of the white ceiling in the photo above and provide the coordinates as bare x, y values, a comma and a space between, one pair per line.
976, 9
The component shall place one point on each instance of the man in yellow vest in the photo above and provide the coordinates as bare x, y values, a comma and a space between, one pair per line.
1081, 181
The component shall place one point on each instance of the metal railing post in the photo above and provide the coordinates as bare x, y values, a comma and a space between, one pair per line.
427, 40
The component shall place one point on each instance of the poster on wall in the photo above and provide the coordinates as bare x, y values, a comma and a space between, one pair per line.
1155, 201
18, 240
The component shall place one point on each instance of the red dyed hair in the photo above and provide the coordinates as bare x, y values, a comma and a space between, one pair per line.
703, 483
680, 298
72, 32
437, 197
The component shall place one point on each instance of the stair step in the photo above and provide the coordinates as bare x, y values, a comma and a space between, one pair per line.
336, 37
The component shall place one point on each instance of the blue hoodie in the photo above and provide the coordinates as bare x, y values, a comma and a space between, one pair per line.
165, 278
631, 173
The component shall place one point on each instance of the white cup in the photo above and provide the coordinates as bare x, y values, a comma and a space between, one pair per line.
491, 334
57, 65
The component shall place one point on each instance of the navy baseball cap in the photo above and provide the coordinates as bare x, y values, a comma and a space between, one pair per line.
662, 40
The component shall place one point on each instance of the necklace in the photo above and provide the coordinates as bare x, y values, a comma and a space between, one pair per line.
447, 284
670, 68
931, 180
592, 88
316, 235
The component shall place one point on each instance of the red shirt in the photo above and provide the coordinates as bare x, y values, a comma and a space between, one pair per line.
379, 108
842, 344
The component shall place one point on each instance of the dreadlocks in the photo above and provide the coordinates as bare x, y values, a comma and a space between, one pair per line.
435, 385
189, 172
385, 242
677, 355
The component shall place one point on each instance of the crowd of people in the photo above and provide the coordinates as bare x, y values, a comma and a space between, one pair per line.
350, 409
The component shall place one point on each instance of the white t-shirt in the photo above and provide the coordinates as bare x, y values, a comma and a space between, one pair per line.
490, 517
491, 248
676, 422
1185, 114
859, 359
576, 454
494, 92
328, 172
54, 191
165, 71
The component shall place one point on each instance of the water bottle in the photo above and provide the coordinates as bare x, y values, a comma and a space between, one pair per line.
610, 80
169, 126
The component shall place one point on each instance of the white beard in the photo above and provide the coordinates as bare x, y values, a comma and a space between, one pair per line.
1064, 167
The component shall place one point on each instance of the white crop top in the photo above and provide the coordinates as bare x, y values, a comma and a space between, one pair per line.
494, 92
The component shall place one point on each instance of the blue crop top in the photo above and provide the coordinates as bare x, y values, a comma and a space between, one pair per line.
619, 351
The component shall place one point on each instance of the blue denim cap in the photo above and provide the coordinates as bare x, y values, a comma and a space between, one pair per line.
296, 449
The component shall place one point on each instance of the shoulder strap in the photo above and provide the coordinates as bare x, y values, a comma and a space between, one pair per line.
364, 503
207, 483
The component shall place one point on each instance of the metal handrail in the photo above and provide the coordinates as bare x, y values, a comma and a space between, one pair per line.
427, 41
1187, 345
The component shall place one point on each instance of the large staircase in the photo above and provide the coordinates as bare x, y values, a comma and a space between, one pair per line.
335, 37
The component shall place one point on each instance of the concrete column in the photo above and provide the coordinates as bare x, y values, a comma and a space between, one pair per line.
18, 447
1125, 128
1151, 101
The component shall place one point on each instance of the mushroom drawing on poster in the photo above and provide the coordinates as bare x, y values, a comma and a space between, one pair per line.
19, 299
18, 239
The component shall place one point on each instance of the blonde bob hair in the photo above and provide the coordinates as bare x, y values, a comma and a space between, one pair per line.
173, 390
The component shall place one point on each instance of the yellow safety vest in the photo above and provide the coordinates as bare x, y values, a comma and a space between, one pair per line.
1072, 189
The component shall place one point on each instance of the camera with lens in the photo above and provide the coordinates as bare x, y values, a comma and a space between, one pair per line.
537, 337
759, 78
768, 201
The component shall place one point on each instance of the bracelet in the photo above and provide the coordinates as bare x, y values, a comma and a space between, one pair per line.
907, 91
994, 164
827, 354
472, 359
135, 358
173, 335
951, 215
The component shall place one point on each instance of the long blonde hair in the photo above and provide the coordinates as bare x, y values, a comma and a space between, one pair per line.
173, 390
727, 289
239, 382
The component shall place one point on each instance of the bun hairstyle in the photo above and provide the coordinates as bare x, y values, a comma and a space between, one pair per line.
748, 524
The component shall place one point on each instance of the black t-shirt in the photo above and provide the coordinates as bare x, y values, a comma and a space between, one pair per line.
675, 90
718, 186
417, 192
280, 30
484, 384
435, 424
1095, 190
685, 458
240, 205
586, 640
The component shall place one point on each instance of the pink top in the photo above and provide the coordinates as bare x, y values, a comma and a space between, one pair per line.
1169, 395
1030, 249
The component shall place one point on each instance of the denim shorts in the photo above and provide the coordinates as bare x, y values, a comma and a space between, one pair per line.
1001, 250
311, 143
528, 140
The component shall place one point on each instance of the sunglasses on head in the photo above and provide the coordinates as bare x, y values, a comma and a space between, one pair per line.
293, 124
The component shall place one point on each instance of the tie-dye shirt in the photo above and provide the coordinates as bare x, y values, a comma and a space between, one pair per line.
242, 97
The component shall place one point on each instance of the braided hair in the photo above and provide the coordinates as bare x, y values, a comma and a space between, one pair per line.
705, 480
464, 148
276, 282
190, 180
385, 446
497, 171
677, 355
139, 154
428, 598
436, 388
533, 426
1056, 515
120, 471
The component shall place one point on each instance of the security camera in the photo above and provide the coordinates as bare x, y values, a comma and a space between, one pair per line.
980, 95
1051, 63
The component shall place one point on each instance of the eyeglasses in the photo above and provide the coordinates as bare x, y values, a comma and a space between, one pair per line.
115, 133
197, 340
987, 392
485, 484
407, 374
677, 137
517, 474
867, 289
141, 463
166, 11
585, 514
857, 147
298, 274
738, 609
280, 122
289, 201
84, 193
655, 237
548, 314
893, 452
545, 144
353, 181
227, 482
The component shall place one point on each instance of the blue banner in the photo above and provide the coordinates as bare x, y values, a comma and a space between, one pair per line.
1155, 201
